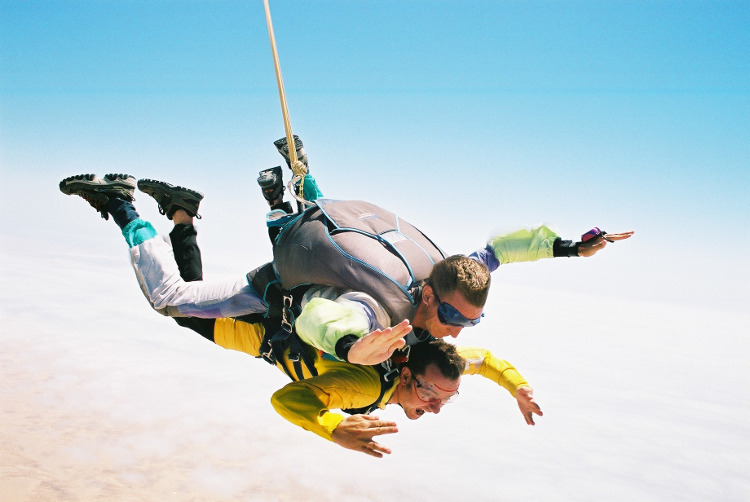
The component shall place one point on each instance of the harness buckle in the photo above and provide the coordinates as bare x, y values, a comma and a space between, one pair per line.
390, 374
286, 311
268, 356
389, 370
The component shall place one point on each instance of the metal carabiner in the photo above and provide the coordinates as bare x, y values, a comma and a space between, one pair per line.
286, 324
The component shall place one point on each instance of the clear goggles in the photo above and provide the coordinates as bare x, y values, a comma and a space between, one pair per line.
427, 393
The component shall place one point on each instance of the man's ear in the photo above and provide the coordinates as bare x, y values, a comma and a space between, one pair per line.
427, 294
405, 375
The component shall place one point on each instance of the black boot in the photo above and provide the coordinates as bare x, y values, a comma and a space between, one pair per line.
283, 148
272, 185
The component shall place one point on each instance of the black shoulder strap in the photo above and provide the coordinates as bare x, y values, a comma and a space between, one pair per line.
387, 373
280, 335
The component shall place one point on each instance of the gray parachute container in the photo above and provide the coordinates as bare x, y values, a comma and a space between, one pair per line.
356, 245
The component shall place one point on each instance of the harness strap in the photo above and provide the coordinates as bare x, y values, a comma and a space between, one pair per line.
282, 337
387, 372
299, 356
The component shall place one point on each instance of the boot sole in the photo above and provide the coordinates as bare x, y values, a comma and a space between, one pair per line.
156, 187
114, 182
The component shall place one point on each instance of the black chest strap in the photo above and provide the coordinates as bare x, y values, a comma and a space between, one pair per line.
387, 373
280, 335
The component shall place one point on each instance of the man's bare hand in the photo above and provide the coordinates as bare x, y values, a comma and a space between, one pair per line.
376, 347
527, 405
356, 433
592, 246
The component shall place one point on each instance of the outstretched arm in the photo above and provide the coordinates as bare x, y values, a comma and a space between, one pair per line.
539, 243
482, 362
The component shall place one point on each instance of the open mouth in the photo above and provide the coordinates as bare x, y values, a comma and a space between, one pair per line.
419, 412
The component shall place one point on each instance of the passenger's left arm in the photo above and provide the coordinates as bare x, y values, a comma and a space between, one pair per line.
482, 362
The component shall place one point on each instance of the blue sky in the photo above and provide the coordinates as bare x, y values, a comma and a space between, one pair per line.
468, 117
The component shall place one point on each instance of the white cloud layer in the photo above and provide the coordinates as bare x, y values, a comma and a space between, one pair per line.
105, 400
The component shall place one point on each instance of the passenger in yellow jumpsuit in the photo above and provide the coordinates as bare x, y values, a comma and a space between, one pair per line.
419, 388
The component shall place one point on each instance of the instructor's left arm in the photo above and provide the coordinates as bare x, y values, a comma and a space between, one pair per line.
540, 243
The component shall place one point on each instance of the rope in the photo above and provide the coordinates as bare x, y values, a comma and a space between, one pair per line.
298, 168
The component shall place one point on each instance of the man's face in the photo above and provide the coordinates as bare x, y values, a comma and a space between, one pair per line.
431, 302
428, 393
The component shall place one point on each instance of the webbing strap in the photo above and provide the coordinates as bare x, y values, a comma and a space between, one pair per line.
299, 356
387, 374
273, 348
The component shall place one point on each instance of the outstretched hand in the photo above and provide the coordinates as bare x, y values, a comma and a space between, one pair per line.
356, 433
592, 246
376, 347
527, 405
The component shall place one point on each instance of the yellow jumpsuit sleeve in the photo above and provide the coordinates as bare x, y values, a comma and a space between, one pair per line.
524, 245
482, 362
308, 403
